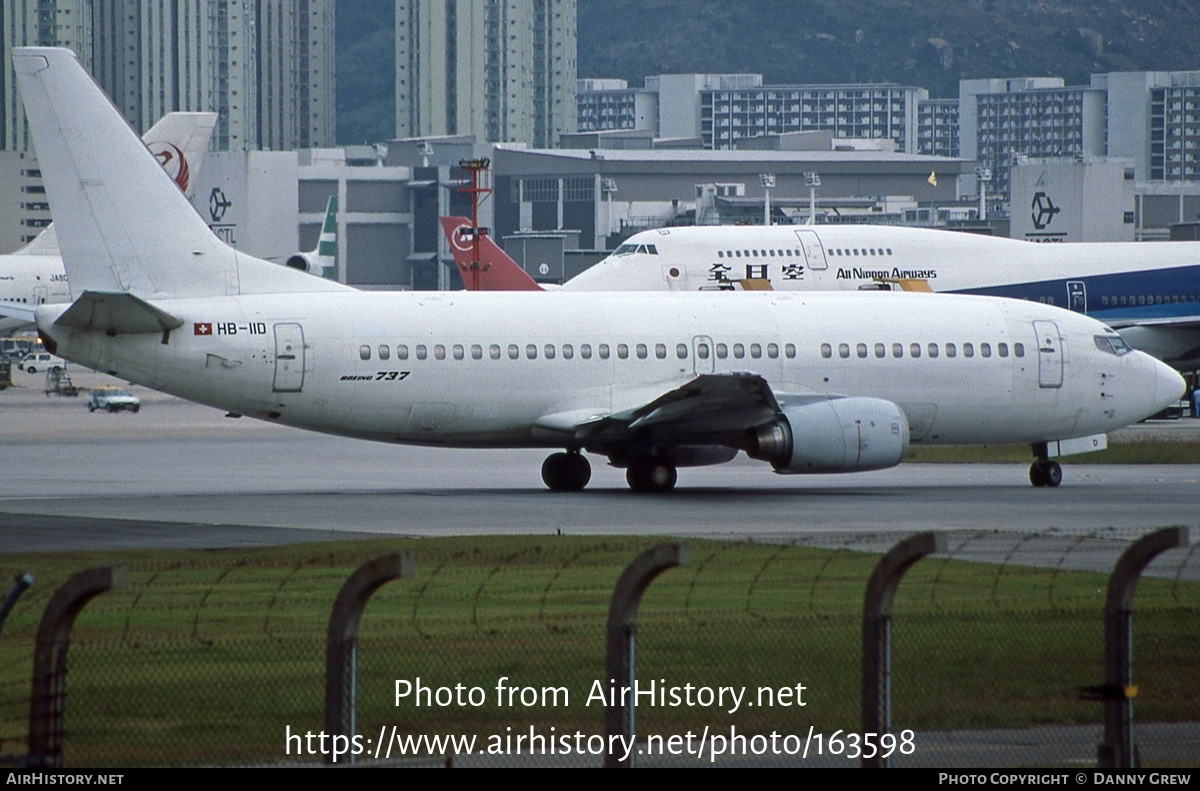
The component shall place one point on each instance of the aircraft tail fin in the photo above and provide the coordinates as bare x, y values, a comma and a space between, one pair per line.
179, 141
122, 222
498, 272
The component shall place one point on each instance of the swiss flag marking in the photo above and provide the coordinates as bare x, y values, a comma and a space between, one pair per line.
202, 329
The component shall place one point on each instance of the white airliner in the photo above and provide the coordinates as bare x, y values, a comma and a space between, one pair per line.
34, 274
806, 382
1150, 291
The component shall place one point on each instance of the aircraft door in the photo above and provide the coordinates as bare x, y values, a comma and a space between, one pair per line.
702, 355
813, 251
1077, 296
1050, 357
39, 295
289, 358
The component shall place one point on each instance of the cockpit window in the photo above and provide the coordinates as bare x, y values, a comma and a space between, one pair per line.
1112, 344
644, 249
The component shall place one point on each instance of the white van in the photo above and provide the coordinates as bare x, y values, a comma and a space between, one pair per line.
41, 361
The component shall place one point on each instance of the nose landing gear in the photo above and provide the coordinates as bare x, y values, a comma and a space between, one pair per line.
1045, 473
566, 472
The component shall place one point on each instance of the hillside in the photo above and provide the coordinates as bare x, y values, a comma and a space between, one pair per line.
929, 43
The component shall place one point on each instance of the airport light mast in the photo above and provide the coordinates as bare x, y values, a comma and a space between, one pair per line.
478, 184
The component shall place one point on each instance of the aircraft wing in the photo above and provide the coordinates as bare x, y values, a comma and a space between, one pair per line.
707, 409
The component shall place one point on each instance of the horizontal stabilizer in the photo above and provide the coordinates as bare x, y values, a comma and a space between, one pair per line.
17, 310
116, 313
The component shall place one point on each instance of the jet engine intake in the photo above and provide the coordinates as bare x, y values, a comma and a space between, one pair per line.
306, 262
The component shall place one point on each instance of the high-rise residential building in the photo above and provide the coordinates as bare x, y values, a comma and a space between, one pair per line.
265, 66
937, 127
861, 111
502, 70
718, 110
1035, 117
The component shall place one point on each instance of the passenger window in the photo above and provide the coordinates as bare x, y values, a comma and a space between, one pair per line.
641, 351
384, 352
457, 351
773, 350
531, 351
914, 350
861, 350
660, 351
789, 350
739, 351
364, 352
476, 351
880, 350
585, 351
603, 349
843, 350
951, 350
681, 350
513, 351
897, 350
968, 350
722, 351
401, 352
439, 351
826, 350
549, 351
985, 350
933, 350
756, 350
1002, 348
494, 352
568, 351
422, 353
622, 351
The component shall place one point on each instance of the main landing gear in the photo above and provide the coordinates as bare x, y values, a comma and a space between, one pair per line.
651, 476
1045, 473
566, 472
570, 472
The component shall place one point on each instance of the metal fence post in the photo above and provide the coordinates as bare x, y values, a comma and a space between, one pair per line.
341, 644
621, 638
1117, 749
48, 695
877, 636
20, 585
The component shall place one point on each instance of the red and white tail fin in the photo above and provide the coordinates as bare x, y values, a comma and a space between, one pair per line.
497, 272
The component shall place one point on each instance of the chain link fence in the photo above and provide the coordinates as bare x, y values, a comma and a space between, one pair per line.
751, 654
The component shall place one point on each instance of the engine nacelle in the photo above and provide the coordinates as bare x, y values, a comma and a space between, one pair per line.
306, 262
839, 435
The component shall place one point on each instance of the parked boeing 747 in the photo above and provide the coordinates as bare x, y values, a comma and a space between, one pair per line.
808, 383
1149, 291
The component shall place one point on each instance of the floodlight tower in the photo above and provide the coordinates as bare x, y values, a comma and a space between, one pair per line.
476, 182
768, 183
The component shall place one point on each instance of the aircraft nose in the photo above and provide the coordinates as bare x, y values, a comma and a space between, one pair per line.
1169, 386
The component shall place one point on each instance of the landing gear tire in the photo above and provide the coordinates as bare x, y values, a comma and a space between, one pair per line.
566, 472
651, 477
1045, 473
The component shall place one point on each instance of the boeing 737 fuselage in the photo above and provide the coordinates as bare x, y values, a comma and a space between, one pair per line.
806, 382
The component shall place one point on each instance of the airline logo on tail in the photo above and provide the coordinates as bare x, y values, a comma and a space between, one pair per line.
497, 272
174, 162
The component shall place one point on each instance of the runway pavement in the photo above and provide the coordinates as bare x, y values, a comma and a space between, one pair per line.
178, 474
